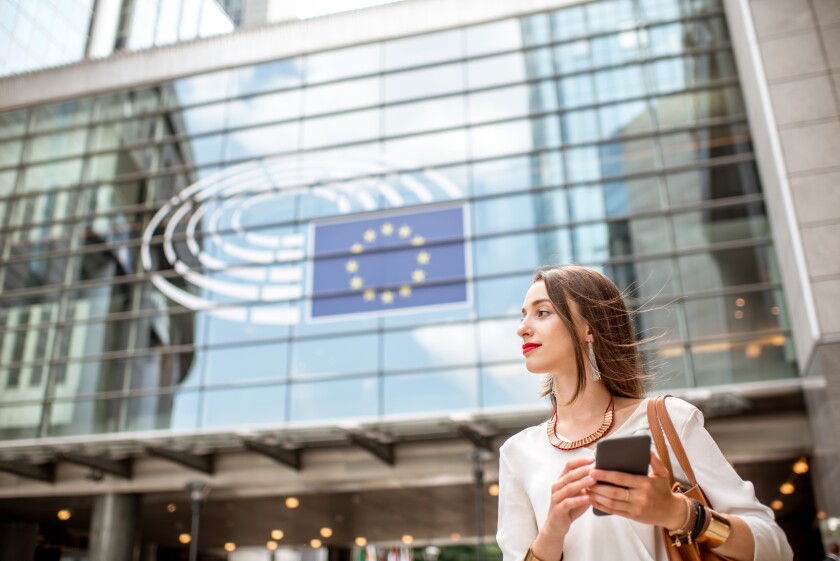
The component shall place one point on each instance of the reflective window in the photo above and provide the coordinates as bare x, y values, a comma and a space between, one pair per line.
430, 149
721, 224
730, 267
261, 405
498, 341
47, 176
575, 91
582, 164
718, 182
328, 356
423, 49
7, 182
437, 345
618, 48
426, 392
262, 141
241, 364
334, 399
620, 83
344, 63
573, 56
425, 82
201, 119
704, 144
517, 174
424, 115
495, 296
509, 68
569, 22
341, 96
163, 411
493, 37
580, 126
625, 118
510, 384
267, 76
518, 136
126, 104
264, 109
10, 152
350, 127
516, 101
503, 214
13, 123
60, 115
519, 251
201, 88
607, 16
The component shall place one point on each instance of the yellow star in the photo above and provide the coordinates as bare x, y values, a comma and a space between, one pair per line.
423, 257
369, 294
418, 275
370, 236
404, 231
352, 266
387, 297
387, 229
418, 241
405, 291
356, 248
356, 283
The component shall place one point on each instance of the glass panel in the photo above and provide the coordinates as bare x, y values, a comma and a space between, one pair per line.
536, 30
517, 136
425, 82
201, 119
575, 91
164, 411
20, 421
70, 418
267, 76
424, 115
517, 174
695, 107
713, 183
7, 182
720, 225
352, 127
13, 124
705, 143
200, 88
328, 356
647, 278
569, 22
60, 115
732, 267
341, 96
114, 135
507, 385
607, 16
244, 407
582, 164
505, 69
498, 340
573, 56
619, 48
620, 83
430, 149
743, 361
625, 118
506, 254
436, 345
52, 146
126, 104
10, 152
50, 175
335, 399
628, 157
425, 392
580, 126
493, 37
516, 101
505, 214
244, 363
263, 141
739, 313
495, 297
423, 49
344, 63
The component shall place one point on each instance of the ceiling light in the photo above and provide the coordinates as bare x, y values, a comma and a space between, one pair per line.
361, 542
272, 545
407, 539
493, 490
455, 536
277, 534
230, 546
171, 507
801, 466
787, 488
326, 532
184, 538
777, 505
292, 502
316, 543
64, 514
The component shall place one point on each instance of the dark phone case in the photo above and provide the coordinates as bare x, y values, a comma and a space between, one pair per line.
630, 454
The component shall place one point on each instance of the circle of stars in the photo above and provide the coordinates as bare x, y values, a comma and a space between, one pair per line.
369, 236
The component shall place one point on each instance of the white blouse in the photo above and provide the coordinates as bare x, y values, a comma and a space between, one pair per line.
529, 465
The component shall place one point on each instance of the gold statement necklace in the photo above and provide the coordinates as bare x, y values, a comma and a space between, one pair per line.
561, 444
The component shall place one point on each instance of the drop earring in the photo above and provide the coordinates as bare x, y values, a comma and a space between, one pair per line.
594, 373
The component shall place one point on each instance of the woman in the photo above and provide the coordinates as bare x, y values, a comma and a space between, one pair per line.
576, 328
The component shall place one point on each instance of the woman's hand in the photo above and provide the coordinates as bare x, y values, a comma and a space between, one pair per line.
644, 498
569, 499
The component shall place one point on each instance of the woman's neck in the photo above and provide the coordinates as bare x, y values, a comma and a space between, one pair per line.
592, 401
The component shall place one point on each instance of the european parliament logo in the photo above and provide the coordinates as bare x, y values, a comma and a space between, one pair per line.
390, 261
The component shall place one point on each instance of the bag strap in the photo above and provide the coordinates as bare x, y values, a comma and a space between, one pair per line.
658, 439
674, 439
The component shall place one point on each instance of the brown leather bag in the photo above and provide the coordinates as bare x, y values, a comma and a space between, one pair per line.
660, 423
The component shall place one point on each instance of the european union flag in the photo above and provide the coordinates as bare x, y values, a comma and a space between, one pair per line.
405, 259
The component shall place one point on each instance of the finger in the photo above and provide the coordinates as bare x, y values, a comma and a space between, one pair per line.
609, 505
617, 478
657, 466
576, 463
609, 492
571, 477
572, 489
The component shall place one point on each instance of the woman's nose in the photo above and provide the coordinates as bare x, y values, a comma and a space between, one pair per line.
523, 330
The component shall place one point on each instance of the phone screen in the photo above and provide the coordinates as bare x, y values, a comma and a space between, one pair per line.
630, 454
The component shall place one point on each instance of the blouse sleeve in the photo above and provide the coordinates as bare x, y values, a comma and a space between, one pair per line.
729, 494
517, 527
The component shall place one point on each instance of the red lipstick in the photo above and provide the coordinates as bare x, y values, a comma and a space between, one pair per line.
528, 347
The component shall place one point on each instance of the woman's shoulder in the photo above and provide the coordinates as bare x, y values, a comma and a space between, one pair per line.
526, 438
681, 411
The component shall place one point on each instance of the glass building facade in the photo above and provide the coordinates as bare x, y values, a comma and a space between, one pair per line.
159, 252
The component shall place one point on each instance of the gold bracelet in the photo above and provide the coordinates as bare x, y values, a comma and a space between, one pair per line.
530, 556
717, 531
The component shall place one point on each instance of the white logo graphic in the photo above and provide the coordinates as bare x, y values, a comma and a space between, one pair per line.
241, 273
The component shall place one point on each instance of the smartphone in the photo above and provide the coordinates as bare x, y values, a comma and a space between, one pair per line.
630, 454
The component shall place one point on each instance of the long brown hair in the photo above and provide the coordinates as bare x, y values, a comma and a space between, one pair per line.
601, 305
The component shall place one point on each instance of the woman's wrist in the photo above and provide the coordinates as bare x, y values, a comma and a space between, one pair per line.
547, 549
679, 513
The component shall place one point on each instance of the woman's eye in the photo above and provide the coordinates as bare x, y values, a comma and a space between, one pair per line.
542, 313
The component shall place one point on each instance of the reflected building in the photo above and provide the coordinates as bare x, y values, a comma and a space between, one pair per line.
288, 257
